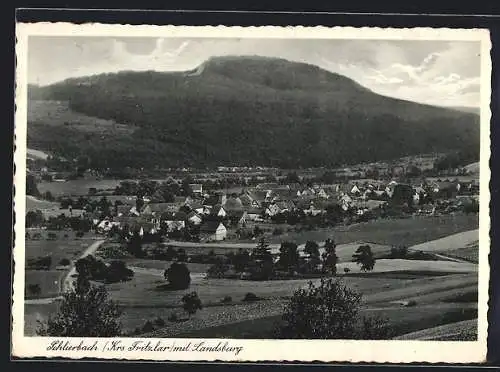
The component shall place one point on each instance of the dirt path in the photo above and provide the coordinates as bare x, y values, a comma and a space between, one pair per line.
66, 283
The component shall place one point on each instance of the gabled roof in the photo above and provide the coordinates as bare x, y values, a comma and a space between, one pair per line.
210, 227
160, 207
193, 214
196, 187
257, 195
123, 209
216, 209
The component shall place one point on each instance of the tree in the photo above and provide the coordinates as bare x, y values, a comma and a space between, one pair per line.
312, 249
31, 187
330, 258
326, 311
241, 259
34, 218
134, 245
262, 261
85, 311
191, 303
364, 257
289, 256
117, 271
178, 276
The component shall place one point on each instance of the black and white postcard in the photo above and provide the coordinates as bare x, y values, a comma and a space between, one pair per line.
251, 194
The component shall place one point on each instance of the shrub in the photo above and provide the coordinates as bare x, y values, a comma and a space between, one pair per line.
411, 303
117, 271
85, 311
191, 303
64, 262
227, 299
249, 297
326, 311
374, 328
148, 327
178, 276
347, 270
79, 234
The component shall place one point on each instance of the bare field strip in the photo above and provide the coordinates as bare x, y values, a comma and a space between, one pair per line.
449, 243
460, 331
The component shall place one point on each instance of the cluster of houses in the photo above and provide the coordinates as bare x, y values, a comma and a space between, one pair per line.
214, 213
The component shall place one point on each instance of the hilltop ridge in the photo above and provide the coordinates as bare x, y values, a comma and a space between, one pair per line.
245, 110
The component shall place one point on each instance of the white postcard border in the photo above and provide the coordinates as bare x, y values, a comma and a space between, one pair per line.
255, 350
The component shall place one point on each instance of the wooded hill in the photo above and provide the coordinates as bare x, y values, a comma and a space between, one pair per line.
240, 111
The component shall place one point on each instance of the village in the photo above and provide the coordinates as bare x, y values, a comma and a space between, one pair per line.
227, 230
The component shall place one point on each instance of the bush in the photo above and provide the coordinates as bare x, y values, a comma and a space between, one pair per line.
91, 268
148, 327
374, 328
411, 303
227, 300
117, 271
191, 303
178, 276
326, 311
79, 234
64, 262
347, 270
249, 297
96, 315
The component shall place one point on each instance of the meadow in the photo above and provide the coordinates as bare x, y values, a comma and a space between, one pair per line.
77, 187
396, 232
65, 246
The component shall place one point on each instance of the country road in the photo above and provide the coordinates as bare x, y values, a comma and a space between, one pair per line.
67, 283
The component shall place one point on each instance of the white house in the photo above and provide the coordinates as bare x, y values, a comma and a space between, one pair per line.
213, 230
194, 218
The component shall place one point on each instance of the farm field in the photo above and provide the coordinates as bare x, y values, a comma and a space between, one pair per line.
33, 203
76, 187
69, 248
37, 154
62, 247
58, 113
49, 282
464, 330
442, 291
449, 243
401, 320
397, 232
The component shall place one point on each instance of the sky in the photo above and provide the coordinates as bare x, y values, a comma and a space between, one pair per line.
439, 73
